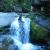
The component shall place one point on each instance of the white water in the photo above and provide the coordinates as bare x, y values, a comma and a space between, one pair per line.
20, 34
6, 18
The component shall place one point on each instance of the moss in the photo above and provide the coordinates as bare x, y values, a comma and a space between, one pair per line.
5, 43
37, 31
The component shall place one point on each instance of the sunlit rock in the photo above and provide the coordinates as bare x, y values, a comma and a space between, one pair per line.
6, 18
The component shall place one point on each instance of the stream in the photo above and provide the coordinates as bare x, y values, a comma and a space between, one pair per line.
19, 33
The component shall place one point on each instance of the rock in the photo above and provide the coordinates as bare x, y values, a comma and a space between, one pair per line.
13, 47
6, 18
5, 41
39, 28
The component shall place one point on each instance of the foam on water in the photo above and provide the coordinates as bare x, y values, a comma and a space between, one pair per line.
20, 34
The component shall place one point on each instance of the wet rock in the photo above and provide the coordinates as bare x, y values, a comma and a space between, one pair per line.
13, 47
5, 41
40, 26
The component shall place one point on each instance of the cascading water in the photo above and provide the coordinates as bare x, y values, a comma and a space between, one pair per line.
20, 34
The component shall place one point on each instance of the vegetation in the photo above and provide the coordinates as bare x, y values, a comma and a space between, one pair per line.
11, 5
38, 32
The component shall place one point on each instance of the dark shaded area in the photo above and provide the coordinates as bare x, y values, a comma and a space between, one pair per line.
45, 4
14, 6
40, 30
25, 6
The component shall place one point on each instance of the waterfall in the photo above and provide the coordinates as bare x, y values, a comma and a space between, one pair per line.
18, 33
20, 29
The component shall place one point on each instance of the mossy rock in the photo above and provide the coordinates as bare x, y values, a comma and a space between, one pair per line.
36, 31
5, 42
38, 34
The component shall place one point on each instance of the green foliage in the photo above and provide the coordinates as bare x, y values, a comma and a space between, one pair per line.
25, 3
37, 32
8, 5
10, 2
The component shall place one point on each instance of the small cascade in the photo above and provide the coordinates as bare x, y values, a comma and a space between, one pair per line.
18, 32
24, 30
20, 29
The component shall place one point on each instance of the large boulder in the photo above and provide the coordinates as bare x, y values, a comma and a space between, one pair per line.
6, 18
40, 29
7, 43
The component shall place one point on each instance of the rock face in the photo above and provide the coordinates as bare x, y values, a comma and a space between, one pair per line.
6, 43
40, 29
6, 18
